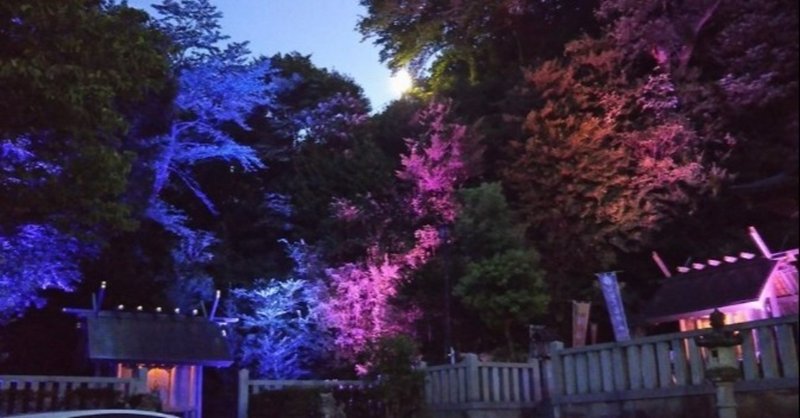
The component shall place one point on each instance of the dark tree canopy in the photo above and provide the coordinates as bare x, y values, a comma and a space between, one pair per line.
66, 66
501, 32
72, 73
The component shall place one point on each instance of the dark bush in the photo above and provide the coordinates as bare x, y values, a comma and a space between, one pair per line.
287, 403
306, 403
27, 400
87, 398
360, 402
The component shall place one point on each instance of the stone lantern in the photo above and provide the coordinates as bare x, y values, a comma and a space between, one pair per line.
723, 366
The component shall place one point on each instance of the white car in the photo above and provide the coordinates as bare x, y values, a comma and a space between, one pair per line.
97, 413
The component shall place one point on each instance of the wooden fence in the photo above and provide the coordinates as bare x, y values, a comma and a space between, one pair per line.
20, 394
472, 384
651, 367
673, 365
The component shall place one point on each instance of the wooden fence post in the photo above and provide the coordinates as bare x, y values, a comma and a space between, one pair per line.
427, 389
140, 380
473, 381
553, 372
244, 393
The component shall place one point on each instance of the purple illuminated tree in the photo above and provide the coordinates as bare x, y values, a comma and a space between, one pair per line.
358, 308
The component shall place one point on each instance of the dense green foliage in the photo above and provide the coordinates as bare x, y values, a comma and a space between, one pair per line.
67, 66
503, 282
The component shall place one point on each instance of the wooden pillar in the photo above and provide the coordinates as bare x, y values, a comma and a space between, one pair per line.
140, 376
199, 392
553, 372
244, 393
725, 400
473, 391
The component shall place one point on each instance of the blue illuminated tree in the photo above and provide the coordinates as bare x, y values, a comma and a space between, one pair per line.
68, 94
217, 88
282, 329
33, 258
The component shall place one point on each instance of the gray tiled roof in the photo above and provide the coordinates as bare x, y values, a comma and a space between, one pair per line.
156, 339
709, 288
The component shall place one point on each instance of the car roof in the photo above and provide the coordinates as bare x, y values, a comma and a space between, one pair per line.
92, 412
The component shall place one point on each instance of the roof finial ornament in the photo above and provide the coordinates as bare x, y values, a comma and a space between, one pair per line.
759, 242
661, 265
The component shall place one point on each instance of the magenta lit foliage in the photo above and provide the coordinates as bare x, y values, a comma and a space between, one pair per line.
434, 165
345, 210
331, 120
426, 240
359, 306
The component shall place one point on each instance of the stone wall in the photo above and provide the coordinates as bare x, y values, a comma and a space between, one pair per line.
752, 404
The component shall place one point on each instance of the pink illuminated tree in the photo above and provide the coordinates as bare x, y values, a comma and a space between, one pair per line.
360, 305
359, 308
434, 165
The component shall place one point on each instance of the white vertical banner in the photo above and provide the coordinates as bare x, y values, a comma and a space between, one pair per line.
580, 322
616, 310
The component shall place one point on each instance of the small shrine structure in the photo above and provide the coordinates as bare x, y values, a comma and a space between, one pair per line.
745, 288
170, 349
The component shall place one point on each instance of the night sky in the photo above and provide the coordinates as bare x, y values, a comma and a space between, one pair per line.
323, 28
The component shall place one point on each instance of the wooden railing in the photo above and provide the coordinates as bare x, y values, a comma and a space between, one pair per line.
673, 364
472, 383
650, 367
46, 393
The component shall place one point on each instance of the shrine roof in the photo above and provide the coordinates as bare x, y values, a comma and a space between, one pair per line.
697, 292
155, 338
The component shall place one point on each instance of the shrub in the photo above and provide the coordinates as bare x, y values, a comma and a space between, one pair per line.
288, 403
400, 386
